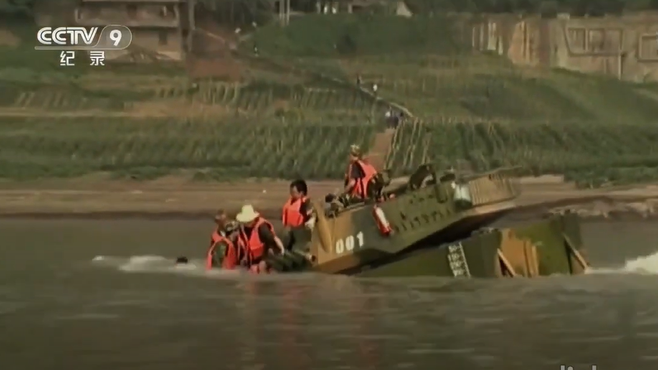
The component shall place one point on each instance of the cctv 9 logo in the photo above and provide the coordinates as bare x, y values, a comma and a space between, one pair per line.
113, 37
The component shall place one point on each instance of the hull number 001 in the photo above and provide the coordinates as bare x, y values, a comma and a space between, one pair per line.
349, 243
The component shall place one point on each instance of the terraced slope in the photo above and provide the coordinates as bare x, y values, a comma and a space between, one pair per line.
146, 148
263, 96
441, 77
63, 101
298, 103
592, 154
220, 150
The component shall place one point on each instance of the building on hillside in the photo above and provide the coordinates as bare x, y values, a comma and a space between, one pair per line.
162, 29
625, 47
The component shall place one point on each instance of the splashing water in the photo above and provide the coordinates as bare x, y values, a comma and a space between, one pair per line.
158, 264
194, 268
644, 265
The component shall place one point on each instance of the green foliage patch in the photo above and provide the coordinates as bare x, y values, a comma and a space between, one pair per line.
261, 96
352, 35
547, 7
490, 87
479, 111
36, 148
590, 154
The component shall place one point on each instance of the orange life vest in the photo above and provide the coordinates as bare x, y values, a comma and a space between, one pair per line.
254, 246
291, 215
231, 254
361, 187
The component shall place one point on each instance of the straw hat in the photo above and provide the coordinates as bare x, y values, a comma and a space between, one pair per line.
247, 214
355, 150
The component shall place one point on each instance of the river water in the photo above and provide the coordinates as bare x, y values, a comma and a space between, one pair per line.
104, 295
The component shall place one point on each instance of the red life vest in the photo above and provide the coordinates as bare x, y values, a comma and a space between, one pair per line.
254, 246
361, 187
231, 254
291, 215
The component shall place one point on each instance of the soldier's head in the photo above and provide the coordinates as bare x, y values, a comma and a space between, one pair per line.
221, 218
298, 189
355, 153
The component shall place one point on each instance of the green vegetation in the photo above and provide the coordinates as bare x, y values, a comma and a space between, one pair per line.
358, 35
590, 154
228, 150
54, 98
549, 7
259, 97
296, 109
148, 148
488, 87
434, 77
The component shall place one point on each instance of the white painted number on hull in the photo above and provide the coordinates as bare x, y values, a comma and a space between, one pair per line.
348, 244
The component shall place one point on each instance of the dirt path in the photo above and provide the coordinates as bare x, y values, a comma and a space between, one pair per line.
380, 148
173, 197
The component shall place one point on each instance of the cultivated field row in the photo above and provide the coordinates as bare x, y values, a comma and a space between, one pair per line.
592, 155
243, 97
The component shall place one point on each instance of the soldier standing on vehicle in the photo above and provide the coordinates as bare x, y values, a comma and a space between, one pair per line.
358, 175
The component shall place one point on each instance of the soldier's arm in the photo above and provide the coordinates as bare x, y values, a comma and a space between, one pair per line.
306, 210
270, 239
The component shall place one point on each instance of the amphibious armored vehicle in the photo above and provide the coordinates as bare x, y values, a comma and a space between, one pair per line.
436, 224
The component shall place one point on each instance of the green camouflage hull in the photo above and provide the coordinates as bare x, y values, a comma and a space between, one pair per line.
551, 246
435, 224
545, 247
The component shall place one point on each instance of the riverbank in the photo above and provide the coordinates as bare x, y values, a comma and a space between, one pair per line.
179, 198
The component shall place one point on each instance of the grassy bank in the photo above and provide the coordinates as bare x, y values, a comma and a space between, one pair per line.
296, 109
435, 77
149, 148
234, 150
440, 77
591, 154
355, 35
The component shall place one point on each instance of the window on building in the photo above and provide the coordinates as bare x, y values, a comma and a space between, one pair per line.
162, 37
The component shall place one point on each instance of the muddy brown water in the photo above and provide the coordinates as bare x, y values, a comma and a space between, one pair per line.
104, 295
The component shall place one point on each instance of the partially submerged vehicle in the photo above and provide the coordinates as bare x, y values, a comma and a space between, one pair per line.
437, 224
